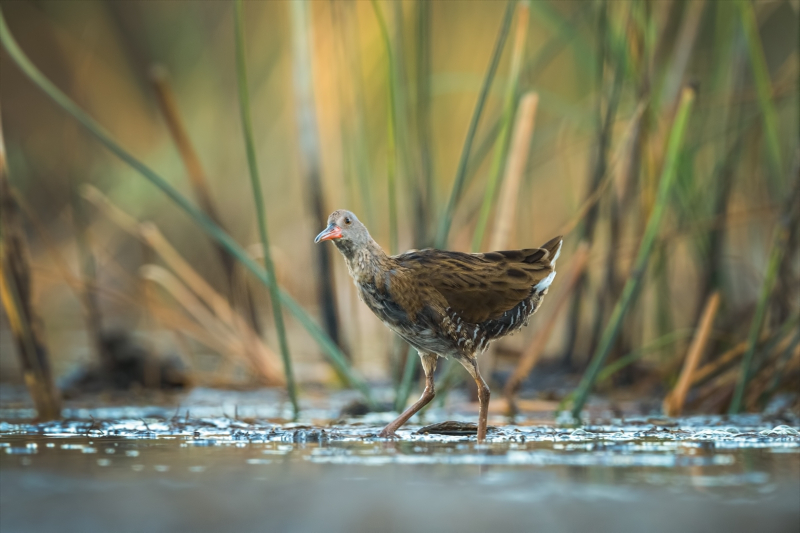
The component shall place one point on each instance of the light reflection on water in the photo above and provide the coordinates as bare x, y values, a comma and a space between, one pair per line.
156, 470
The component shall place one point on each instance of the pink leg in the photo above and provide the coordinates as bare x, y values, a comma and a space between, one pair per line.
428, 365
471, 364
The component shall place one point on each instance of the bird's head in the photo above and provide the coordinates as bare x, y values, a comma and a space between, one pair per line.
345, 230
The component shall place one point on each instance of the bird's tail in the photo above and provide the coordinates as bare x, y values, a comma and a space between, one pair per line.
553, 247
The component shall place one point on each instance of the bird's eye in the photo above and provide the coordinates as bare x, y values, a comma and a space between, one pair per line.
347, 220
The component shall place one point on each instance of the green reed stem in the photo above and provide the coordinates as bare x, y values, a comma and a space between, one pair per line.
404, 390
633, 356
391, 130
461, 172
761, 77
640, 264
501, 147
258, 196
778, 246
330, 349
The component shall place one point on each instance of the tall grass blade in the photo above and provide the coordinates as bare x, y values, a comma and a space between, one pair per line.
779, 241
426, 196
406, 381
763, 89
645, 249
391, 129
518, 153
258, 196
330, 349
509, 105
446, 219
458, 184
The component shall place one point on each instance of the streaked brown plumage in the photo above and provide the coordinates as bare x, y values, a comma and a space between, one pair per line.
447, 304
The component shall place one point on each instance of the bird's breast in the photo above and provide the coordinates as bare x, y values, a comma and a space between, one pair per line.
380, 301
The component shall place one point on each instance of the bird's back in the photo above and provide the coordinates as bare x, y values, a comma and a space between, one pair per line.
479, 297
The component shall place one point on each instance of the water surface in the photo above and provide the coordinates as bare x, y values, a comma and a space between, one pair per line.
159, 469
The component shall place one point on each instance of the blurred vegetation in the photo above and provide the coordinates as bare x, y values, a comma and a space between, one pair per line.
663, 135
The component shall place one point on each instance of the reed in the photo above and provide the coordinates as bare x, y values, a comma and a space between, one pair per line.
307, 128
673, 403
645, 249
515, 168
261, 215
330, 349
198, 179
16, 297
499, 161
458, 183
764, 91
779, 240
391, 129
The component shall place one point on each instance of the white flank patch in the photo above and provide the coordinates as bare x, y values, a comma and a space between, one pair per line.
558, 252
542, 285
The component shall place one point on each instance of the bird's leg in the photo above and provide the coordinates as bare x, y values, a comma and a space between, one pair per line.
428, 365
471, 364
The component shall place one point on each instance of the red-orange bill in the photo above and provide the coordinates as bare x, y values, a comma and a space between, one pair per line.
331, 232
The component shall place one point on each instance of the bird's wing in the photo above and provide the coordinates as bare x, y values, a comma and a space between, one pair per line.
482, 287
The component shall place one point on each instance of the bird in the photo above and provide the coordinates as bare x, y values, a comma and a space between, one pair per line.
444, 303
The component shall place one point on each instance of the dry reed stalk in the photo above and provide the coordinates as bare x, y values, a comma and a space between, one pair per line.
194, 169
673, 403
534, 351
73, 282
311, 164
501, 155
223, 314
711, 368
189, 301
261, 360
153, 237
515, 168
179, 323
150, 235
197, 177
684, 44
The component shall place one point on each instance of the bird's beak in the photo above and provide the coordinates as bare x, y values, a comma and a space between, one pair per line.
328, 234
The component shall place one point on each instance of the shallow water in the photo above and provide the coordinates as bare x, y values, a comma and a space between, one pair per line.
150, 469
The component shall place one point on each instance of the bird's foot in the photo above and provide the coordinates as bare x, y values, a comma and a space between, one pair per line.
388, 433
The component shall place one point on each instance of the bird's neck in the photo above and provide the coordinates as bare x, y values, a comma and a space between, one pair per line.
363, 262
